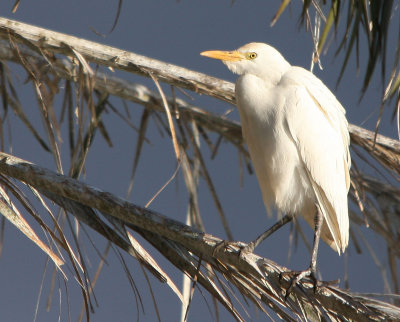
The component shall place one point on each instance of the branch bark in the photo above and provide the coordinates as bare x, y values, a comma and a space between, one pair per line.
113, 57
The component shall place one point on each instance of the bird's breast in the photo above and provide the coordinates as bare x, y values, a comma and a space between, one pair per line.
260, 107
273, 152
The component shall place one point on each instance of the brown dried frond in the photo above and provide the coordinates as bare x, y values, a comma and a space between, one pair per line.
258, 279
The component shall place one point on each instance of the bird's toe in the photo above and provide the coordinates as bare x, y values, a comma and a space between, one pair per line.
297, 276
234, 245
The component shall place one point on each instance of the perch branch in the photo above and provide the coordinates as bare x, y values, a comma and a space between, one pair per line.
256, 277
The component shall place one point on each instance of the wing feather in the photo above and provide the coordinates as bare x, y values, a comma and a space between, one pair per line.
318, 126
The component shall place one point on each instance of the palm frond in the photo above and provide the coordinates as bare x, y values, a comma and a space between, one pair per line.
363, 20
257, 278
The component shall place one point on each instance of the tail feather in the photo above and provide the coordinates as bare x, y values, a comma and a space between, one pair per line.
332, 234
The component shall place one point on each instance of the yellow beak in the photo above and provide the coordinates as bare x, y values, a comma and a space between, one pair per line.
223, 55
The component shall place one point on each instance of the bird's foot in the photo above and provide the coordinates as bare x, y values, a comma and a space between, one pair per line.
247, 248
223, 245
297, 276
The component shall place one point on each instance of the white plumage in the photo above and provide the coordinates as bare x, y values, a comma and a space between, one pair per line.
297, 135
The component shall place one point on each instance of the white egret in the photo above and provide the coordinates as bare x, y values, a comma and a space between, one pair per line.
298, 139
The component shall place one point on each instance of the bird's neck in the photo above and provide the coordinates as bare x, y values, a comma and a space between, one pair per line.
271, 75
257, 98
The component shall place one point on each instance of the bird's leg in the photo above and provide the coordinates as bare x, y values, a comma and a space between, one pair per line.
318, 220
249, 248
312, 270
281, 222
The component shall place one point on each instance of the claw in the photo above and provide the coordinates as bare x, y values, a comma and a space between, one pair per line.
224, 244
220, 246
297, 276
249, 248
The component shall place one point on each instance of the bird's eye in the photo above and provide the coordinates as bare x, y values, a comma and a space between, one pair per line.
251, 55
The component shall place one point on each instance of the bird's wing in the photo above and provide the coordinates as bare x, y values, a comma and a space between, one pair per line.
316, 122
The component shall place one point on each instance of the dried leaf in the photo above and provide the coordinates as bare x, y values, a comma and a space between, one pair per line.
11, 213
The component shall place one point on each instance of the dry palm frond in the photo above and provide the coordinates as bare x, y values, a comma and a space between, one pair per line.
9, 210
258, 279
369, 19
364, 22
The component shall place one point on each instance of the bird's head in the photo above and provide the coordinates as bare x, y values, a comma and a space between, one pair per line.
254, 58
